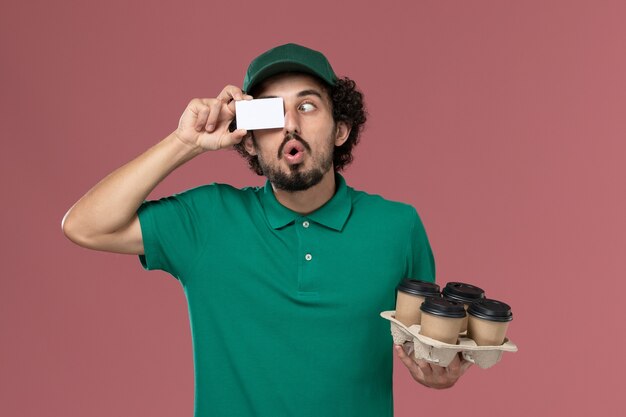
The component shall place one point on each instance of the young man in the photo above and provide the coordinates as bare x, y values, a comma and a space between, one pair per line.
285, 282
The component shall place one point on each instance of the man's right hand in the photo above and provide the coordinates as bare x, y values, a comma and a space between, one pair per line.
204, 123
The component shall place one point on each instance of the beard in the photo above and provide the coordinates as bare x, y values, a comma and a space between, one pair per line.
297, 179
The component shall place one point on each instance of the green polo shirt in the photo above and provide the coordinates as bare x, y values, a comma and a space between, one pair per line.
284, 308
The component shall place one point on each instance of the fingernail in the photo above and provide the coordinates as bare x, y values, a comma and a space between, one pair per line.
210, 128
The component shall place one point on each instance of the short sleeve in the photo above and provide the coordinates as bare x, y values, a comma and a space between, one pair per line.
173, 231
420, 262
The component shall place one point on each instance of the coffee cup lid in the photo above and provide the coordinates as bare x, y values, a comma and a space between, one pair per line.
443, 307
462, 292
417, 287
491, 310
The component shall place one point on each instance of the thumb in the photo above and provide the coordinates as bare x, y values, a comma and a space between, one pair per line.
233, 138
465, 365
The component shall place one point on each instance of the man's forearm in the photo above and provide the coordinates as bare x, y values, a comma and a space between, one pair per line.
113, 202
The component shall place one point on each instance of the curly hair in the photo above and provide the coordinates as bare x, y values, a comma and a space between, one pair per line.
348, 107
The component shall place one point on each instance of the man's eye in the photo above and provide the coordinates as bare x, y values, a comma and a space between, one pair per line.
306, 107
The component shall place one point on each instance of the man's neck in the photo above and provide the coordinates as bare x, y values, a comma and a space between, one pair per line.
309, 200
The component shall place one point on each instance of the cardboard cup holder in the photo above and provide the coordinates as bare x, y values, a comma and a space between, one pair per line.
440, 353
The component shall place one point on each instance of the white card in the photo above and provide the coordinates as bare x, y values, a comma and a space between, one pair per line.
264, 113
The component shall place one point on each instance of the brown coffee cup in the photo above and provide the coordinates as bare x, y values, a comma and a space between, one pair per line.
442, 319
462, 293
411, 294
488, 322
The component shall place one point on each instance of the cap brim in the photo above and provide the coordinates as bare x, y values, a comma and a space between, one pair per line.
281, 67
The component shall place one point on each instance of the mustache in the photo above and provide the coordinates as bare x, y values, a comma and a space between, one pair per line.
290, 136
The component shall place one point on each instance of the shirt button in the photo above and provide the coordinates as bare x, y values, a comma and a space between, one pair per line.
305, 224
308, 257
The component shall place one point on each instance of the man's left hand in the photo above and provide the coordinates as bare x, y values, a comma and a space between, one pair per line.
430, 375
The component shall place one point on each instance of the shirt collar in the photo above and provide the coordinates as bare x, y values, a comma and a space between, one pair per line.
333, 214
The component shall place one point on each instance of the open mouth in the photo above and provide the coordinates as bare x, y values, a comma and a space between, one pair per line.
293, 152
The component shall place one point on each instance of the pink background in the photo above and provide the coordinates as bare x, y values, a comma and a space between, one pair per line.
502, 122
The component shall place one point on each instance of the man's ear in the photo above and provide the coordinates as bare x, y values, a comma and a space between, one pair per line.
248, 143
342, 131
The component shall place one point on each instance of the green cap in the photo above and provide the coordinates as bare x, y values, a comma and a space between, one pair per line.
285, 58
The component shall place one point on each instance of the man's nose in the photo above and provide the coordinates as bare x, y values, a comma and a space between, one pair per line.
292, 121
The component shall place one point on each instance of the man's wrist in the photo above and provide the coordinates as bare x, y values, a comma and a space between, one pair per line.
184, 151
